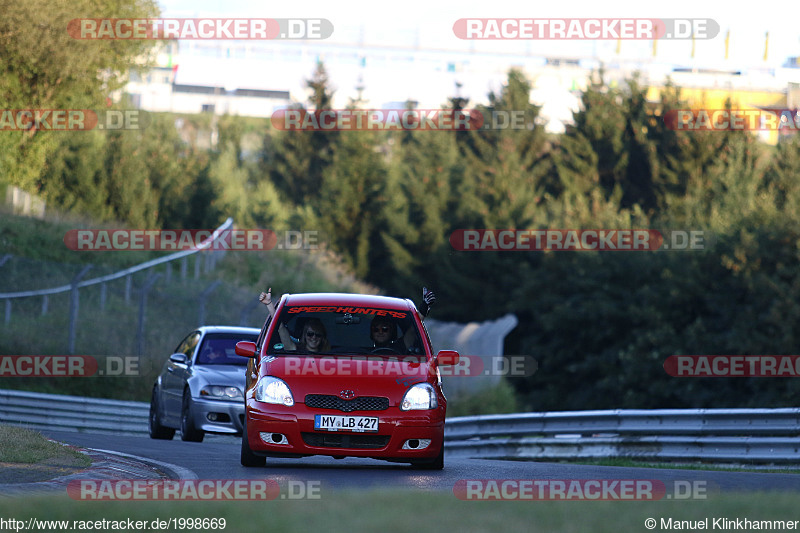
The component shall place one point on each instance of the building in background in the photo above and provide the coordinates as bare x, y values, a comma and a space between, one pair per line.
256, 78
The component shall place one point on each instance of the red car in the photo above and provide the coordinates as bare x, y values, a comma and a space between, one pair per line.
344, 375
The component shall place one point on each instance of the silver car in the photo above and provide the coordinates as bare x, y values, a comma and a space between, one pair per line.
200, 388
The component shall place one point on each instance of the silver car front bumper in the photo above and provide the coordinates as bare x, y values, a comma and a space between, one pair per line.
218, 416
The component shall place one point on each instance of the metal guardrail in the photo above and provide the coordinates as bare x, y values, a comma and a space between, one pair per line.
73, 413
717, 435
723, 435
752, 422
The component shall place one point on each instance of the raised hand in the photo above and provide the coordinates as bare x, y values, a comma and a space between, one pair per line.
266, 297
429, 298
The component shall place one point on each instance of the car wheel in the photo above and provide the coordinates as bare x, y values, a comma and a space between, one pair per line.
189, 433
157, 431
431, 464
248, 458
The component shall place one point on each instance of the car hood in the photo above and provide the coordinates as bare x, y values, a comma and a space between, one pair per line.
221, 374
365, 377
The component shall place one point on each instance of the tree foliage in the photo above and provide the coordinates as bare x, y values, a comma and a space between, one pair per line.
44, 67
600, 324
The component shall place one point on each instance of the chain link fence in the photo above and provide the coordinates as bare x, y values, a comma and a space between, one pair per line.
104, 292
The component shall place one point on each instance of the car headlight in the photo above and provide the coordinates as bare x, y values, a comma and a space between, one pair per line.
420, 396
273, 390
219, 392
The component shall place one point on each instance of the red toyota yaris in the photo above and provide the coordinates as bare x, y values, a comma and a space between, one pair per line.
344, 375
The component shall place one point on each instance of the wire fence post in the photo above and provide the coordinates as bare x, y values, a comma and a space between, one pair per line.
7, 319
127, 288
102, 296
201, 319
151, 279
76, 284
74, 303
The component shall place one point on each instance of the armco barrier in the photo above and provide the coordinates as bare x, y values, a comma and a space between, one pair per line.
721, 435
718, 435
73, 413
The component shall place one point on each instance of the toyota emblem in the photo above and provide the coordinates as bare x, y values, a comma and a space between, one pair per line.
347, 394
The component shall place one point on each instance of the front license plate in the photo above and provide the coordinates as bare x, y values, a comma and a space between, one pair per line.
346, 423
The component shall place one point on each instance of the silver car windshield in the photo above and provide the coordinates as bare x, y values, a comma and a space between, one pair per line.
219, 349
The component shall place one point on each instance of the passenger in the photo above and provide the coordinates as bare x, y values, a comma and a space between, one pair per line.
314, 337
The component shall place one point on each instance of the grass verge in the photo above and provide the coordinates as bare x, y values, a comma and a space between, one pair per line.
20, 445
27, 457
393, 511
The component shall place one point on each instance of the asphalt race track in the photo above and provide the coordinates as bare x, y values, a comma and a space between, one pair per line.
218, 458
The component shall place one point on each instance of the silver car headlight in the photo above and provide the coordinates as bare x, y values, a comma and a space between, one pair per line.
273, 390
218, 392
420, 396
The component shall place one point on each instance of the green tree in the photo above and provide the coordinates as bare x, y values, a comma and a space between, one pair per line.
251, 201
130, 193
44, 67
301, 157
74, 178
352, 202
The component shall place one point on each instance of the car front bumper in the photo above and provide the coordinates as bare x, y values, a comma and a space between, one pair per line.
218, 416
397, 430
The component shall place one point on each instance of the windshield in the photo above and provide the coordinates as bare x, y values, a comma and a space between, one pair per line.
219, 349
351, 331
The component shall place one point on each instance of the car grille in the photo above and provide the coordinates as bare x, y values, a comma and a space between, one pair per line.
324, 440
362, 403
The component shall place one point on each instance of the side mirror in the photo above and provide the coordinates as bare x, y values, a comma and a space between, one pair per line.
246, 348
179, 358
447, 358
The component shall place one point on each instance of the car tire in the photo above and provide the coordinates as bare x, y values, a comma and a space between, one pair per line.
431, 464
158, 431
189, 432
248, 458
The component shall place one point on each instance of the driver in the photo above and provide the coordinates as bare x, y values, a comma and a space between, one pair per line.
383, 330
383, 333
214, 356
